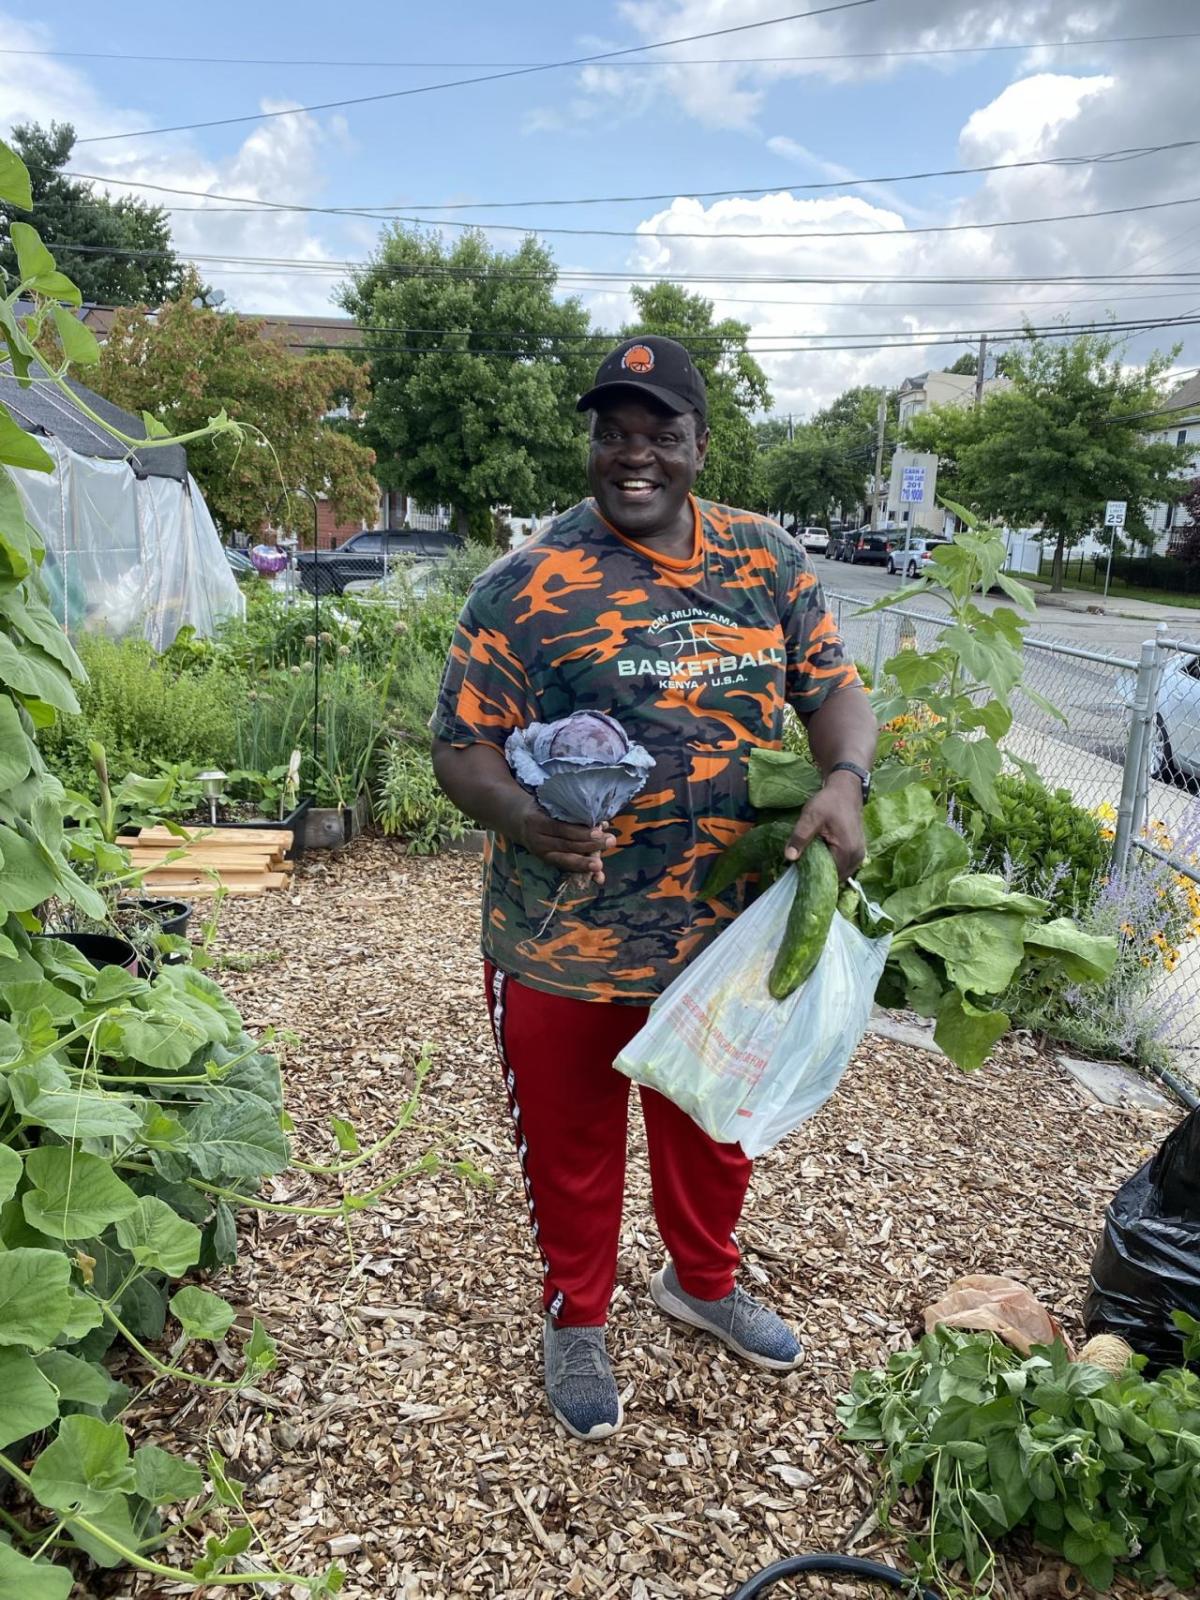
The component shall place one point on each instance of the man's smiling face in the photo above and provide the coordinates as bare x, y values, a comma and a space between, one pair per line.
642, 464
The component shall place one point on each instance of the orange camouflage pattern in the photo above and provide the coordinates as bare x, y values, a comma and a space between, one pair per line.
697, 658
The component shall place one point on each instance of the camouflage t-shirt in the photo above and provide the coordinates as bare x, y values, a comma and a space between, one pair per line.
695, 658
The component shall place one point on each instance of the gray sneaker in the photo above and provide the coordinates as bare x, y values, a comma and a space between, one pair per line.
579, 1381
753, 1330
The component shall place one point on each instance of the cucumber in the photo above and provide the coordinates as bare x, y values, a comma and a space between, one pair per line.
755, 850
808, 921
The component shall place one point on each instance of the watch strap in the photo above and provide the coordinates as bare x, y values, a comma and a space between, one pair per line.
861, 773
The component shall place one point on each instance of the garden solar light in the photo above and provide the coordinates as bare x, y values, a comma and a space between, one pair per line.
212, 782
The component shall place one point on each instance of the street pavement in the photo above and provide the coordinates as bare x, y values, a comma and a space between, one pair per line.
1118, 629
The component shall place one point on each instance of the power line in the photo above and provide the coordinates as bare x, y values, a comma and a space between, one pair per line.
384, 212
468, 274
683, 61
754, 342
490, 77
871, 346
892, 234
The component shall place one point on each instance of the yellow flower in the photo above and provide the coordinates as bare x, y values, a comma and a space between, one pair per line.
1106, 812
1127, 929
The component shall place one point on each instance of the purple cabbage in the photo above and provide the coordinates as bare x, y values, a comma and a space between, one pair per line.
583, 768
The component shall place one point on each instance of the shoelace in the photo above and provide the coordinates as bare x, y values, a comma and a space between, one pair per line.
582, 1358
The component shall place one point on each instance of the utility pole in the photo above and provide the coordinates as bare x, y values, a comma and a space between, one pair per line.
980, 368
881, 423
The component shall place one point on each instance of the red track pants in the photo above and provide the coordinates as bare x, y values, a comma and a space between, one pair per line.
569, 1108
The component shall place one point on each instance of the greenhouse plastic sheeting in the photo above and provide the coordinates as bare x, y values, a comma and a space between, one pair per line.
126, 554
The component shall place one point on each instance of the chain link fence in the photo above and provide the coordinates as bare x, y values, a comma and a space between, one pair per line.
1123, 736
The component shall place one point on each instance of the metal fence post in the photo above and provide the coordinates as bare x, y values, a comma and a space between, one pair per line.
1141, 720
877, 658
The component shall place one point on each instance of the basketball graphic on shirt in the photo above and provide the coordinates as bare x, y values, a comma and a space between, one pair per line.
638, 358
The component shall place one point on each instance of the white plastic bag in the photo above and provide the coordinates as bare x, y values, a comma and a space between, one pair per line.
746, 1067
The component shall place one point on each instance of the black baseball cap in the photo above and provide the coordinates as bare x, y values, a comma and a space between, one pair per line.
660, 368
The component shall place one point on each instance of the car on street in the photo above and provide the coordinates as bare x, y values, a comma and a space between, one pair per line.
1174, 753
367, 557
862, 547
914, 561
815, 540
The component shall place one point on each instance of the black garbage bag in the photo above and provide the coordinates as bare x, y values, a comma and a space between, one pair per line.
1148, 1261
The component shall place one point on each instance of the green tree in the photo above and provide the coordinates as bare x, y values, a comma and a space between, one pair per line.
72, 214
809, 475
737, 385
475, 372
189, 363
770, 431
1069, 433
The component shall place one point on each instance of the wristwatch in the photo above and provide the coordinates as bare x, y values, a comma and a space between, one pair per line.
861, 773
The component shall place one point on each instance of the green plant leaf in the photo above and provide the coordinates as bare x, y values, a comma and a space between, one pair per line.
1084, 957
78, 342
157, 1237
978, 763
16, 749
1017, 592
26, 879
260, 1349
889, 819
84, 1467
75, 1379
923, 986
31, 672
938, 848
343, 1132
11, 1168
32, 1579
44, 1095
36, 622
235, 1138
21, 449
965, 1032
781, 780
83, 1314
27, 1402
34, 1296
981, 949
74, 1195
118, 1521
33, 259
202, 1315
14, 181
162, 1478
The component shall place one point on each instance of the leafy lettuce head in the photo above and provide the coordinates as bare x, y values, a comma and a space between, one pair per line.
583, 768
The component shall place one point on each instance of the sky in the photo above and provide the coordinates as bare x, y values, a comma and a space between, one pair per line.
875, 90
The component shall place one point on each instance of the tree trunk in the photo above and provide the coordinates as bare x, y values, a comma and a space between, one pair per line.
1056, 565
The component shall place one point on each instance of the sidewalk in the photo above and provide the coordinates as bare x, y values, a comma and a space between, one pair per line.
1080, 600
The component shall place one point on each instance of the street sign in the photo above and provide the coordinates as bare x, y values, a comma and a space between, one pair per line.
912, 485
1114, 514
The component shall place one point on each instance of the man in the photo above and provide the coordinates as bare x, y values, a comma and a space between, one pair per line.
692, 624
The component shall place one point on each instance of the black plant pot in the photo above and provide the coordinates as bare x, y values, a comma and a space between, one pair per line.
172, 916
101, 949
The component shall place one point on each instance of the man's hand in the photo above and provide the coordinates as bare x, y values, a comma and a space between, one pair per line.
835, 814
566, 845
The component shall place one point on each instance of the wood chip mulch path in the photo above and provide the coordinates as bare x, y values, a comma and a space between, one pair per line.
406, 1424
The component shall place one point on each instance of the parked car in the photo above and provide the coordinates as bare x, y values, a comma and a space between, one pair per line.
866, 548
367, 557
1175, 737
920, 551
814, 540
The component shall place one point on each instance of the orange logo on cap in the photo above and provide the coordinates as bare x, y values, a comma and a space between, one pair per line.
638, 359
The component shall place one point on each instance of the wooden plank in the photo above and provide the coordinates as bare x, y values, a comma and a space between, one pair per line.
268, 880
280, 837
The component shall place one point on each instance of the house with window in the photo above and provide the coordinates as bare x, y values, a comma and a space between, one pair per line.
918, 394
1168, 520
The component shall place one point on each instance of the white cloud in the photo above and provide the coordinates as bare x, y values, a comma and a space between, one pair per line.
1022, 121
278, 160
